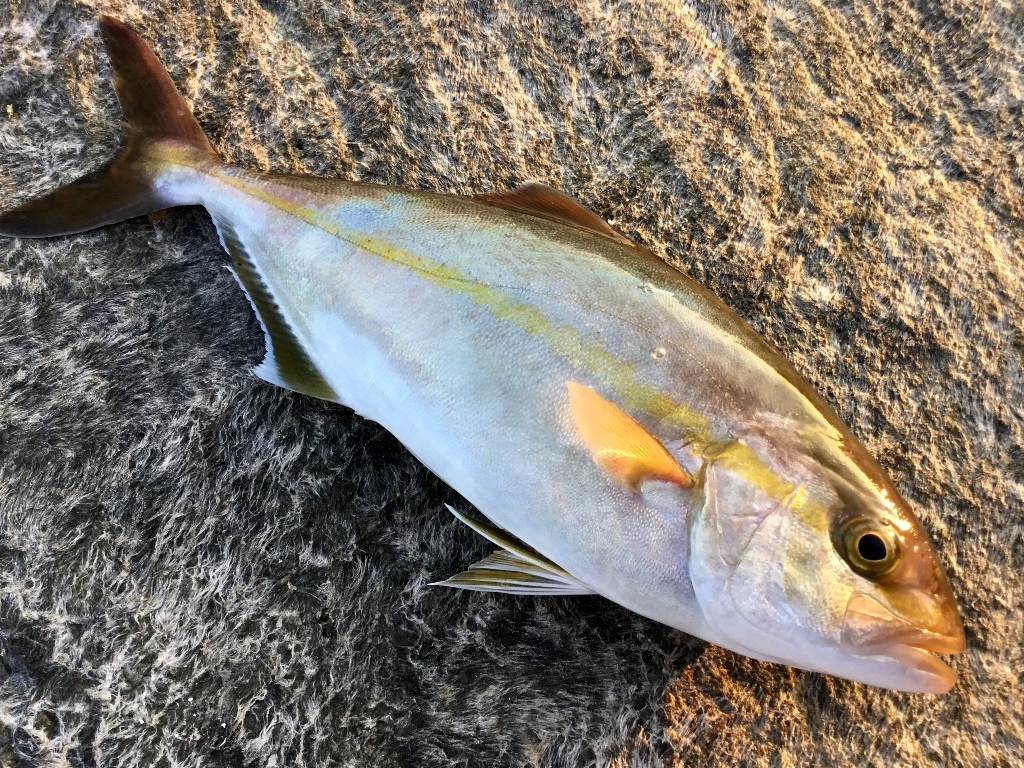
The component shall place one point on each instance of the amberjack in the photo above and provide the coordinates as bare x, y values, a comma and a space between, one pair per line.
623, 432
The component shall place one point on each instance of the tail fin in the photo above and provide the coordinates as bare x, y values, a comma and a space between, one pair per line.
158, 125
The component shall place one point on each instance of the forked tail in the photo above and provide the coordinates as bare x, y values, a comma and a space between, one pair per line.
159, 132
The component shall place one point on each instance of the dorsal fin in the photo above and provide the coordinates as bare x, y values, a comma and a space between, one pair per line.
286, 363
541, 200
514, 569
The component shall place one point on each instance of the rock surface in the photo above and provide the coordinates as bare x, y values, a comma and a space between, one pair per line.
199, 569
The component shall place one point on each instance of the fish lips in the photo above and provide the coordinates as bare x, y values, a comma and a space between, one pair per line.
870, 629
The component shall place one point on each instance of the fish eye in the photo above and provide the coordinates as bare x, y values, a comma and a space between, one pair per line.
871, 547
868, 547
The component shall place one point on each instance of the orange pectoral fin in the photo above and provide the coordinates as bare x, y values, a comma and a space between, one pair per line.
619, 444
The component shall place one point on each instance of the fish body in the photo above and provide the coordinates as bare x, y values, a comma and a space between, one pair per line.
456, 324
639, 438
458, 334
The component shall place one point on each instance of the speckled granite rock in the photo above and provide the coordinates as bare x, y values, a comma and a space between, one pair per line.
198, 569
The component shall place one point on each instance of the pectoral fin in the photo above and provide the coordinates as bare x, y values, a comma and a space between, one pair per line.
619, 444
514, 569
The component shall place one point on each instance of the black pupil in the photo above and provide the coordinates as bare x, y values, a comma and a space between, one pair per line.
871, 547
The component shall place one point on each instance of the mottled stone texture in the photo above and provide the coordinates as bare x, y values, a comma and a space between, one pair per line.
198, 569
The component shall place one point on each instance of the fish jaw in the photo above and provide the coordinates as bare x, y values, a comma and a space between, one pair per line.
906, 660
907, 668
873, 631
873, 645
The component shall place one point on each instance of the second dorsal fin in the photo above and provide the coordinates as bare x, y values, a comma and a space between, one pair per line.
541, 200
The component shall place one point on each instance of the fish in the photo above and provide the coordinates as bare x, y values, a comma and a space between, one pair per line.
618, 429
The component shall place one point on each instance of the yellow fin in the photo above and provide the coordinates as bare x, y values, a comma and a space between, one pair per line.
619, 444
515, 568
286, 362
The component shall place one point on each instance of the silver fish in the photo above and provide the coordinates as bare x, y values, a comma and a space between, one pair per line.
624, 431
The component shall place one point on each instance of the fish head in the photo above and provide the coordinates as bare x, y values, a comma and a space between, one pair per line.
802, 552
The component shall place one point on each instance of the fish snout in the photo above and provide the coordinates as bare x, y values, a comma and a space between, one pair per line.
911, 637
869, 623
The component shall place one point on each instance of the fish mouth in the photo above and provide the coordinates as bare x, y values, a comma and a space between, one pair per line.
871, 629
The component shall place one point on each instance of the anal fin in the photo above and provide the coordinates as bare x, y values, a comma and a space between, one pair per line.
286, 363
514, 569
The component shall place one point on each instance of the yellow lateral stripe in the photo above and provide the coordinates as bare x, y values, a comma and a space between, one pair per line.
563, 339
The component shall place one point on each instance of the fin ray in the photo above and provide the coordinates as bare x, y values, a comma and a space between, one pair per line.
514, 569
619, 444
286, 364
156, 119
